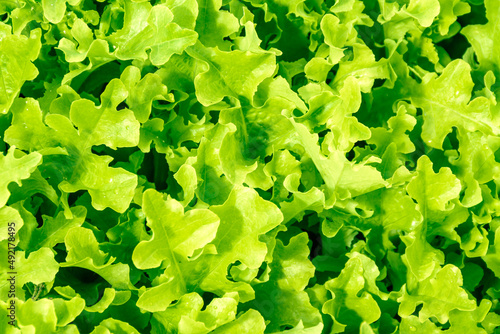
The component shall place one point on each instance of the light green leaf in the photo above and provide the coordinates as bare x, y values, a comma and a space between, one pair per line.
277, 87
16, 63
147, 27
103, 303
35, 184
159, 297
104, 124
421, 259
413, 324
484, 39
233, 73
213, 186
213, 24
27, 130
142, 92
186, 177
6, 314
68, 310
363, 67
475, 165
54, 229
14, 167
185, 12
394, 211
312, 200
491, 321
336, 36
84, 36
287, 304
37, 316
336, 111
449, 12
181, 235
187, 307
68, 157
433, 191
470, 322
244, 217
340, 175
83, 252
173, 240
439, 294
424, 11
492, 258
186, 315
450, 95
398, 126
250, 322
10, 217
352, 303
23, 15
39, 267
54, 10
113, 326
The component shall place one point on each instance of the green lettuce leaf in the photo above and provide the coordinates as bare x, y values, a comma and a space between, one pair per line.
16, 63
15, 169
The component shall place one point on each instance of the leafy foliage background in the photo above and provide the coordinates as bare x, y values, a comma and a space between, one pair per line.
251, 166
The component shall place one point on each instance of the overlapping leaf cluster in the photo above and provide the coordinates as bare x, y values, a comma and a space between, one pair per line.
251, 166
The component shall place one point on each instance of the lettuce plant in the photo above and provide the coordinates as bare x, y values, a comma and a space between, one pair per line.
249, 166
